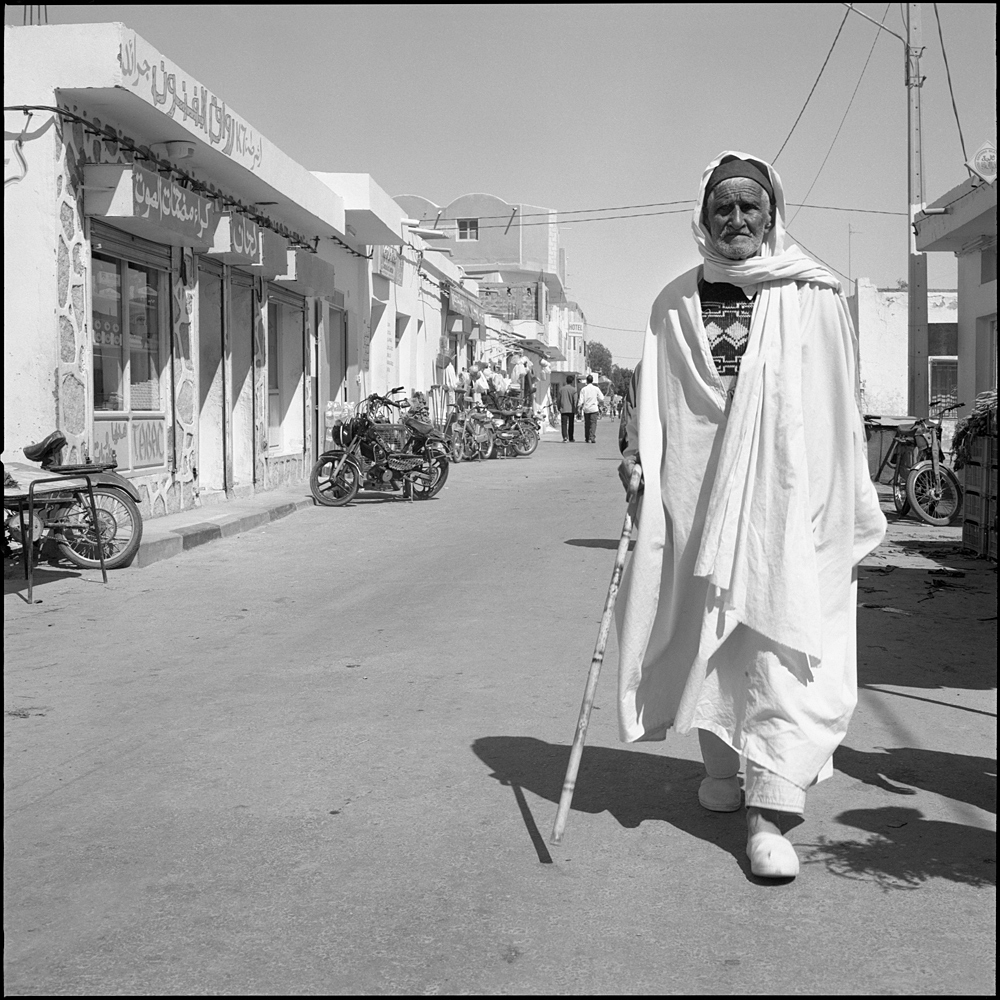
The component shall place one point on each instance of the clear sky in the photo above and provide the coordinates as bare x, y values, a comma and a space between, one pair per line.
591, 105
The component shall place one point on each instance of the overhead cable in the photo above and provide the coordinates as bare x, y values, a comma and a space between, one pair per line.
951, 90
817, 256
812, 91
864, 68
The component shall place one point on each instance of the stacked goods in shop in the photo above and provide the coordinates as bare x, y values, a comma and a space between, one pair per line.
975, 447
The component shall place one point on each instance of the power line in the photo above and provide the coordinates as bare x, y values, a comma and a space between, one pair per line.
616, 329
864, 68
603, 218
811, 92
951, 90
635, 214
580, 211
837, 208
817, 256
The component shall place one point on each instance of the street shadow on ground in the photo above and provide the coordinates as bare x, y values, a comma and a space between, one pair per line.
632, 786
598, 543
904, 850
15, 583
951, 621
901, 770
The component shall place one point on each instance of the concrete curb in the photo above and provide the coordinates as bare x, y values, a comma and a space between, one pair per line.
162, 542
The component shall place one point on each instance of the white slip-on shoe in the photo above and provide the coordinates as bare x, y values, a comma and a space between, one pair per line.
772, 856
721, 795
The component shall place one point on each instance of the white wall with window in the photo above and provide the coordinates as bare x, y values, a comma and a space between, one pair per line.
468, 229
130, 323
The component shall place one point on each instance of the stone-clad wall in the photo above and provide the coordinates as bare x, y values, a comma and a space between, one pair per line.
162, 492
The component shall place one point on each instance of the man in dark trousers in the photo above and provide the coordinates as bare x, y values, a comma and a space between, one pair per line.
567, 408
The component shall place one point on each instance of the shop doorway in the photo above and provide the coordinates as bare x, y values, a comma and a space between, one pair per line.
212, 414
241, 327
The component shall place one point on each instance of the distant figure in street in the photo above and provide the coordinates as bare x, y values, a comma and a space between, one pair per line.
530, 382
589, 404
737, 614
567, 408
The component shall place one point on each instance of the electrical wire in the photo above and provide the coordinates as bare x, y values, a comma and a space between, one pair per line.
951, 89
187, 180
817, 256
774, 159
864, 68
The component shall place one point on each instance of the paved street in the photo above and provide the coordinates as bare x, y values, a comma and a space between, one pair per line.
323, 757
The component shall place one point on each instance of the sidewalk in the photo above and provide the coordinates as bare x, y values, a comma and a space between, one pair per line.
163, 537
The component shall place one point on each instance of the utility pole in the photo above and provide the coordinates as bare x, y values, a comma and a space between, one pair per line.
851, 231
917, 393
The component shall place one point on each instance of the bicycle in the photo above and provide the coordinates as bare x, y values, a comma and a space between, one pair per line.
922, 481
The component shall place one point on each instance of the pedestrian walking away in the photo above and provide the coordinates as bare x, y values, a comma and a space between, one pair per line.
738, 609
589, 404
567, 408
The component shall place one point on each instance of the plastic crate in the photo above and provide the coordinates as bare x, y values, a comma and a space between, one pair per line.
974, 537
982, 450
976, 507
975, 477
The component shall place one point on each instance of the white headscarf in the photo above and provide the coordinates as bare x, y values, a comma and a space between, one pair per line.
775, 261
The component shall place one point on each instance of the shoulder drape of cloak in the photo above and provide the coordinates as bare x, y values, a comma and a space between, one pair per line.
737, 611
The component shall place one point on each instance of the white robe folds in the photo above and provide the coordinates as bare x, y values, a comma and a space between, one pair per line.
737, 611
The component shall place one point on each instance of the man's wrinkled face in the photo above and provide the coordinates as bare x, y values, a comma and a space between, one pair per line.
738, 214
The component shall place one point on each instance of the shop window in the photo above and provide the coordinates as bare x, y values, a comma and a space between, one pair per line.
468, 229
129, 329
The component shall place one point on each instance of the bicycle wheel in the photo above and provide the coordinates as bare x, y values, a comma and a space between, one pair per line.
119, 529
334, 490
527, 440
487, 447
937, 501
456, 442
470, 446
430, 479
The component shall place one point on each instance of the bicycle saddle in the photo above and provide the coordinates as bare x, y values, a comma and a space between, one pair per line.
46, 450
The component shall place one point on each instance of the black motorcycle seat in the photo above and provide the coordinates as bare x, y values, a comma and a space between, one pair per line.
66, 470
45, 447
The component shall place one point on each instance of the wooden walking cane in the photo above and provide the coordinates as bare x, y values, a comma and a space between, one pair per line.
569, 784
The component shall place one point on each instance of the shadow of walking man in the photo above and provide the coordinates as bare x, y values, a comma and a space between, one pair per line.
631, 785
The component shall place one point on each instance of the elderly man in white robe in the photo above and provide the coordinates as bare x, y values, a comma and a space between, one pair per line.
738, 609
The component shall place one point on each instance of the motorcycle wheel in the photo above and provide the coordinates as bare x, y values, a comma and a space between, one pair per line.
457, 445
527, 441
937, 504
432, 476
119, 530
488, 448
333, 491
899, 497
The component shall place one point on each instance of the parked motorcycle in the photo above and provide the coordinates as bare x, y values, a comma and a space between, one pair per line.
516, 432
63, 514
371, 451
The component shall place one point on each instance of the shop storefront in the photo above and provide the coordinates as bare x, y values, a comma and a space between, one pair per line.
170, 275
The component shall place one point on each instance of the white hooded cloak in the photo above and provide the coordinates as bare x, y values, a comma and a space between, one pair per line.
738, 609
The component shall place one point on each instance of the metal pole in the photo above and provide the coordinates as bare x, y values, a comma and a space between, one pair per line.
917, 394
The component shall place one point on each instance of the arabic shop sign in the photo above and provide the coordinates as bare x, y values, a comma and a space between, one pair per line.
147, 204
179, 96
461, 302
388, 262
238, 240
164, 202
